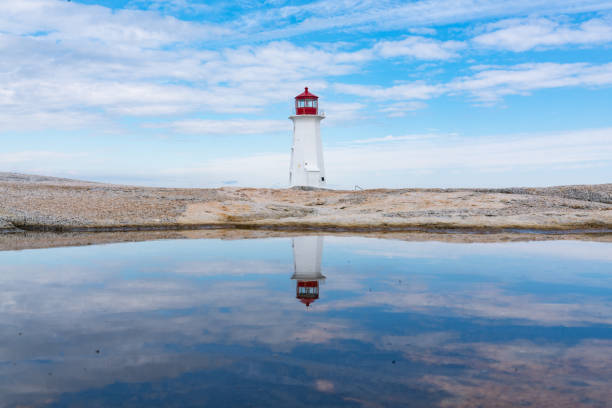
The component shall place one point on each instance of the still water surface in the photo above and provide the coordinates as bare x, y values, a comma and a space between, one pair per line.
308, 321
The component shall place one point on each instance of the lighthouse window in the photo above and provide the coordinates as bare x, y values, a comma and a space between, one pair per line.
308, 103
301, 103
314, 103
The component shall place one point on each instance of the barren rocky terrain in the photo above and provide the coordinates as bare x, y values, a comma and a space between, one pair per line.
36, 203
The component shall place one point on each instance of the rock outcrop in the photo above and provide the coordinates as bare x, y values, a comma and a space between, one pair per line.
37, 203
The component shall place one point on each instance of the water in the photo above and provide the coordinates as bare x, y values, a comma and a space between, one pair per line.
363, 323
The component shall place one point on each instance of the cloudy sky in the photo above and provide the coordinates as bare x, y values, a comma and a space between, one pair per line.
425, 93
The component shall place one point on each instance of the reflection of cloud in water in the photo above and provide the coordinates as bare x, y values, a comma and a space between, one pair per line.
231, 268
324, 385
509, 287
446, 339
580, 250
526, 374
484, 302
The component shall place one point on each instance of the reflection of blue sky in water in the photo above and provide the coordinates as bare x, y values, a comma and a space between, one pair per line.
197, 322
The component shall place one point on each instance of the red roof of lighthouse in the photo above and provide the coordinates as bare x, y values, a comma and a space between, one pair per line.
306, 95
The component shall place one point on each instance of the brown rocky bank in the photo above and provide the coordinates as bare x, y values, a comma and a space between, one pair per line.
38, 203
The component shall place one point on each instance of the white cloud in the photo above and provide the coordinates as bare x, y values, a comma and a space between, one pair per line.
387, 161
492, 84
59, 74
342, 112
523, 35
227, 127
29, 156
123, 28
414, 90
422, 30
272, 170
18, 120
484, 153
376, 15
419, 47
391, 138
67, 65
448, 160
172, 6
400, 109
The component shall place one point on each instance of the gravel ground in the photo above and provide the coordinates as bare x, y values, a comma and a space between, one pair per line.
38, 203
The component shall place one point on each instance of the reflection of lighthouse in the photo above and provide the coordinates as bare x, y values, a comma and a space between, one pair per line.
307, 268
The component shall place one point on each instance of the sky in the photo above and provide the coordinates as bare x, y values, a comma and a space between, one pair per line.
190, 93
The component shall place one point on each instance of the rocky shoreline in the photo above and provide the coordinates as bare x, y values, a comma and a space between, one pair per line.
37, 203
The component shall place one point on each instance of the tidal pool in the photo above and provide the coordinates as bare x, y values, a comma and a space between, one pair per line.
307, 321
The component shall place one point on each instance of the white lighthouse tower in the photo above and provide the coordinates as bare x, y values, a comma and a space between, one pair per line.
307, 151
307, 268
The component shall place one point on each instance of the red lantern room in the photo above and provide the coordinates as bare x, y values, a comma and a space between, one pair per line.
306, 103
307, 291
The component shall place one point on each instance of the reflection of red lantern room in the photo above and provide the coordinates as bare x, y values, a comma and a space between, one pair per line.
307, 291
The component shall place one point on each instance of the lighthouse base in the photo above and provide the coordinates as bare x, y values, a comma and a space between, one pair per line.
308, 179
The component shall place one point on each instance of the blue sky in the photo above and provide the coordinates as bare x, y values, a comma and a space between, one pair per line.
434, 93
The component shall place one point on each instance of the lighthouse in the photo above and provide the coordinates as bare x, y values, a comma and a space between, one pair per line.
307, 268
307, 151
